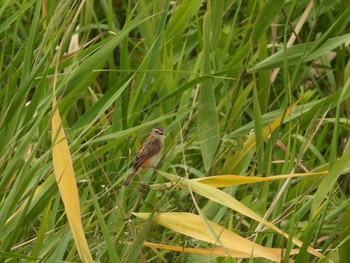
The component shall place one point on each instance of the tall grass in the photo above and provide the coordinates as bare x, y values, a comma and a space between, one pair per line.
247, 89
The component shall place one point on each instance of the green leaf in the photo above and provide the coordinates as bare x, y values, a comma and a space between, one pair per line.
344, 251
181, 18
102, 105
330, 180
85, 73
107, 237
208, 124
296, 53
341, 21
265, 17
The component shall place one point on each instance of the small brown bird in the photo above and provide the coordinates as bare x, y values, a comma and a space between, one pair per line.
149, 151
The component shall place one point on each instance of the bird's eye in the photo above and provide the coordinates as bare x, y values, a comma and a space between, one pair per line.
158, 132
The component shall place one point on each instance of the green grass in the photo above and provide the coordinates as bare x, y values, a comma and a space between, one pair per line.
202, 70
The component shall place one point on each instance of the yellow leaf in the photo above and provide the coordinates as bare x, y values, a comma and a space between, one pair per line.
214, 251
220, 181
225, 199
194, 226
67, 186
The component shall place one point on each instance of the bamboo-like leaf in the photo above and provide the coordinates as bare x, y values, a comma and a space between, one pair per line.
66, 182
208, 124
225, 199
193, 226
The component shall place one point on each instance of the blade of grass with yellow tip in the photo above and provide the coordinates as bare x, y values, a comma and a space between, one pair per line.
225, 199
65, 177
192, 225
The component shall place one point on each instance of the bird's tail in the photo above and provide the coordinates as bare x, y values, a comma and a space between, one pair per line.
128, 180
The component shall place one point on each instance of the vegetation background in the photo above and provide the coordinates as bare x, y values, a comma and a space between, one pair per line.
250, 88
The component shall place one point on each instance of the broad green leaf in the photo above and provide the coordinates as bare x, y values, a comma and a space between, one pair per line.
208, 124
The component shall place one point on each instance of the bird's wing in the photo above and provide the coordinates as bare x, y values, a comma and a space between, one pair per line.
148, 150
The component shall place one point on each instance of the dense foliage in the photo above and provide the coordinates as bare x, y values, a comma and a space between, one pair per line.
250, 88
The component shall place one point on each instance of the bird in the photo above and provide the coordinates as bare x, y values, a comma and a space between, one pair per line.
148, 152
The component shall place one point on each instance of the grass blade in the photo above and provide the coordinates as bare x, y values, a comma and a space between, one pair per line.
208, 125
193, 226
225, 199
66, 182
265, 17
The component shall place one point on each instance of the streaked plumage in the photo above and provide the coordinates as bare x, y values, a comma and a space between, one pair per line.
149, 151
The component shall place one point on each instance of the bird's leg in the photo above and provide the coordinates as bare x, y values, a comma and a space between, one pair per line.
143, 186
